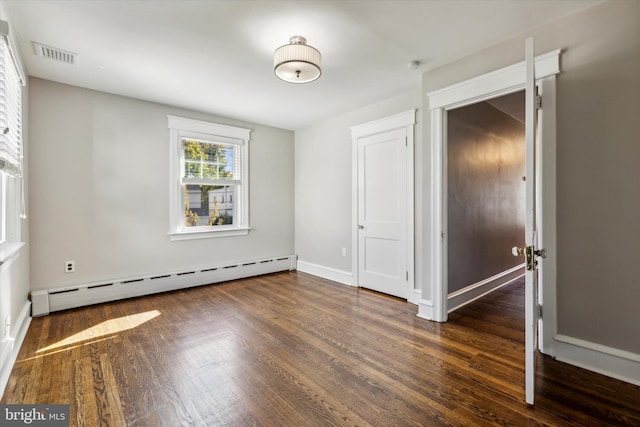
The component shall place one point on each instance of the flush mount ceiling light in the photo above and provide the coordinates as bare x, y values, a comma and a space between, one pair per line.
297, 62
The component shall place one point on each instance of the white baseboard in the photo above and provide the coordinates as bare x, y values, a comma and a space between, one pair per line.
344, 277
112, 290
471, 293
340, 276
10, 347
612, 362
477, 290
415, 296
425, 309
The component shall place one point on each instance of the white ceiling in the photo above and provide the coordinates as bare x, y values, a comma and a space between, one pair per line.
216, 56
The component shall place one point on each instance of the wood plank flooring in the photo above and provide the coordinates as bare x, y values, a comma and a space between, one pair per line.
290, 349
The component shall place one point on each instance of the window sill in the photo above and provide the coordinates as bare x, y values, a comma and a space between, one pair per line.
208, 234
9, 250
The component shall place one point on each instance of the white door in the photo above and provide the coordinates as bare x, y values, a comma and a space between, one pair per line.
382, 213
531, 250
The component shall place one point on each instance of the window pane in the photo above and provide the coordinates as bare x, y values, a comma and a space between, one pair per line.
192, 150
228, 167
210, 171
210, 152
192, 170
209, 205
210, 160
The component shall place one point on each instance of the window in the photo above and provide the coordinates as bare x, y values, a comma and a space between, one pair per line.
11, 185
209, 170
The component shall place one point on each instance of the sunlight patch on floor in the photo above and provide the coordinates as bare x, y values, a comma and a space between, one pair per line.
108, 327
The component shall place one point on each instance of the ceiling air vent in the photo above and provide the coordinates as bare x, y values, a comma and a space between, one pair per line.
55, 53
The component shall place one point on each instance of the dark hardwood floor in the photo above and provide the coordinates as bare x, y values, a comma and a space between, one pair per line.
290, 349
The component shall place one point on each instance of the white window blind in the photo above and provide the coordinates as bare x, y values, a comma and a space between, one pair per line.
10, 112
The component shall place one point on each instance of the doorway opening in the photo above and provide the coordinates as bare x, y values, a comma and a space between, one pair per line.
540, 192
485, 171
504, 81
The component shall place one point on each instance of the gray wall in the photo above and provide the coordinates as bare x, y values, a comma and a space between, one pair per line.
323, 182
598, 178
486, 194
99, 190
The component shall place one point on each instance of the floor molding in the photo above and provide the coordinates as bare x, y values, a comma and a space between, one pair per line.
340, 276
415, 296
477, 290
425, 309
612, 362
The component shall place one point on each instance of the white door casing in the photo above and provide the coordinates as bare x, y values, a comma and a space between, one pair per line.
433, 305
383, 205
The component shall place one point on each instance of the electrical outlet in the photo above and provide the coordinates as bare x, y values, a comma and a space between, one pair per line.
344, 251
69, 266
7, 326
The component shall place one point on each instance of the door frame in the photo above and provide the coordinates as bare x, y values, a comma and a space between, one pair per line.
433, 305
405, 120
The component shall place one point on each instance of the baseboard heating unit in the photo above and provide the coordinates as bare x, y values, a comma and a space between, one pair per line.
56, 299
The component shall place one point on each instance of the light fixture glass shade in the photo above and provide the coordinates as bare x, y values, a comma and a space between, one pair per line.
297, 62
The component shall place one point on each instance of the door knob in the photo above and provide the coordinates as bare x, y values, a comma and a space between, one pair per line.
542, 253
526, 251
530, 255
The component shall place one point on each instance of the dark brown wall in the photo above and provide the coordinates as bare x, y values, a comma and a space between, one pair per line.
486, 193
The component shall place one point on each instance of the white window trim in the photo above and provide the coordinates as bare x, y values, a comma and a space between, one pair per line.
3, 208
12, 208
12, 243
9, 250
223, 133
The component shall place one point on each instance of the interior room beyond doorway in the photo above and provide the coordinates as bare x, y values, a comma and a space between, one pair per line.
485, 196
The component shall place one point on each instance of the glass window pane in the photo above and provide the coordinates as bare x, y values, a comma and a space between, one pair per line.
209, 205
192, 170
210, 160
210, 171
192, 150
221, 207
230, 167
210, 152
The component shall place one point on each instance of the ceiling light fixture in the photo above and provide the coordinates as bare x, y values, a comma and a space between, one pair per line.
297, 62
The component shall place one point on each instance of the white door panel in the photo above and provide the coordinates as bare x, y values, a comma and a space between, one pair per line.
531, 241
381, 257
382, 192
